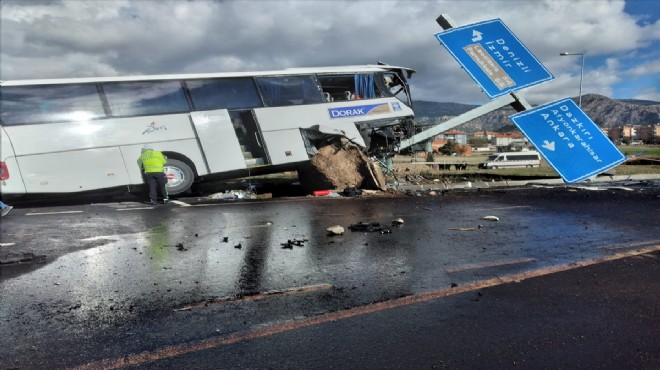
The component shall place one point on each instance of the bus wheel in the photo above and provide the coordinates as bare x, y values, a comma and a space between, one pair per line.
180, 176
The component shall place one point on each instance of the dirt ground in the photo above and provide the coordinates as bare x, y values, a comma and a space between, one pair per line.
339, 167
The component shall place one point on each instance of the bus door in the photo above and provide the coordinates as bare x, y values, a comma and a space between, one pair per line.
215, 134
250, 138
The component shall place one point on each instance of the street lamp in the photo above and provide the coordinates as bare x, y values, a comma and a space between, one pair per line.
581, 74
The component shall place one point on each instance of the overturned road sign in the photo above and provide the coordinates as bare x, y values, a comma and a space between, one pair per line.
568, 139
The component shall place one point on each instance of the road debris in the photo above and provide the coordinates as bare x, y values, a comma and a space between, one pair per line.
290, 243
366, 226
491, 218
335, 230
352, 192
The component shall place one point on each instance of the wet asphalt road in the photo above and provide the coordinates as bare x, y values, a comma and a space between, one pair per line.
218, 285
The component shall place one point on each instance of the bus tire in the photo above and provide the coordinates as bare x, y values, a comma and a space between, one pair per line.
180, 176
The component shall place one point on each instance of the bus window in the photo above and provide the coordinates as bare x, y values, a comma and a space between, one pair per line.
335, 86
46, 103
289, 90
229, 93
145, 98
391, 84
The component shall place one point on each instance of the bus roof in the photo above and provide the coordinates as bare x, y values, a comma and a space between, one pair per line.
282, 72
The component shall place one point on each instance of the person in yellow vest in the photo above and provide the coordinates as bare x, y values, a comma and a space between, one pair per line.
153, 162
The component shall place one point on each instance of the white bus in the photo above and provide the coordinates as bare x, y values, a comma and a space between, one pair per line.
528, 158
85, 134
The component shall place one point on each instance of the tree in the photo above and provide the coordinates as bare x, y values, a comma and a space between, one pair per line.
478, 142
448, 148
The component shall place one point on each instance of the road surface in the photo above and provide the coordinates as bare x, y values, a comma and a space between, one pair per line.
567, 277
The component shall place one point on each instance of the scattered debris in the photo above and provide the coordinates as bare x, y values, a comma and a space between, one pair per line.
352, 192
335, 230
397, 221
491, 218
180, 247
366, 226
238, 246
290, 243
225, 239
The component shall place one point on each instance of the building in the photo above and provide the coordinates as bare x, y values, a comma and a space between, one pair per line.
509, 138
488, 135
638, 134
459, 137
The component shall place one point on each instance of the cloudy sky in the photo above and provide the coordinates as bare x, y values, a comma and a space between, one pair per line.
85, 38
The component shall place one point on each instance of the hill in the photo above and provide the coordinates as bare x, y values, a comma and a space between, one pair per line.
605, 112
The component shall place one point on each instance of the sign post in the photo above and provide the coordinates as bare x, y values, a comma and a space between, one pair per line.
568, 139
494, 57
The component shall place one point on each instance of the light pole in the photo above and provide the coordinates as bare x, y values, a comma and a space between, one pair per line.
581, 74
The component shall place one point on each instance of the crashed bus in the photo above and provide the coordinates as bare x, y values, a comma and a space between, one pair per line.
85, 134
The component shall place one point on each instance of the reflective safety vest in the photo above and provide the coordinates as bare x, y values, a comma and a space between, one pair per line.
152, 161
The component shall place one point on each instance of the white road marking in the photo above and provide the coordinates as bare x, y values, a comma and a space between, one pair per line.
101, 237
51, 213
134, 209
178, 202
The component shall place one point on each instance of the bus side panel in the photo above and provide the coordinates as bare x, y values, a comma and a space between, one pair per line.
285, 146
307, 116
218, 140
66, 136
73, 171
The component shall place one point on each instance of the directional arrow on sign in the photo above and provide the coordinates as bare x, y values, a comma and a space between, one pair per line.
549, 145
476, 36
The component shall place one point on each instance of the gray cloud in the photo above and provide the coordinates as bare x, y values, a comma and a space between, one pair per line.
53, 39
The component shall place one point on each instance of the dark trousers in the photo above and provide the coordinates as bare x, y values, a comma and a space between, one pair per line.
156, 181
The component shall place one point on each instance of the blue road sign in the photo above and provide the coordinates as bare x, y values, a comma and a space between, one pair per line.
494, 57
568, 139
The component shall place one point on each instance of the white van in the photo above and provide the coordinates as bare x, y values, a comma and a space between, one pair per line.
512, 159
